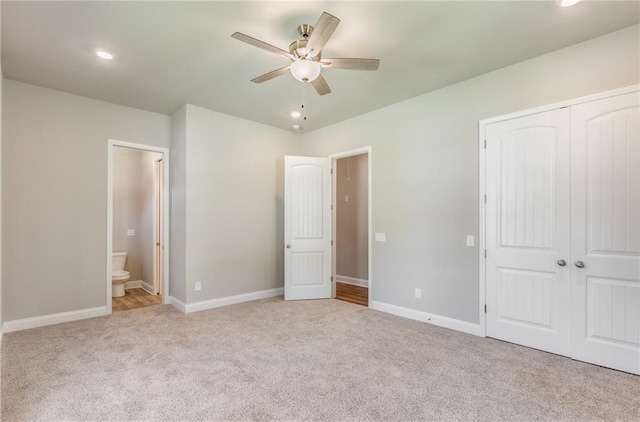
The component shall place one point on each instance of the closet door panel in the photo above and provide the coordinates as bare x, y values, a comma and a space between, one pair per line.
605, 230
527, 230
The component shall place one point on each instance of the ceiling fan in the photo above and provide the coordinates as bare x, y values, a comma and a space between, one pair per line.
306, 55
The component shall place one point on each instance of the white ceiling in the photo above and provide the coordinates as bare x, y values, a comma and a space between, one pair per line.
172, 53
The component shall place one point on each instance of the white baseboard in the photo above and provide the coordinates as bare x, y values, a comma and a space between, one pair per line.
352, 280
147, 287
178, 304
135, 284
41, 321
441, 321
225, 301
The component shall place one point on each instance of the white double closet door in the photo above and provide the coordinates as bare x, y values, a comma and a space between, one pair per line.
563, 231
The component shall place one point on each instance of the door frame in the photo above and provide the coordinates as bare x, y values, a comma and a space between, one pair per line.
482, 125
111, 144
334, 157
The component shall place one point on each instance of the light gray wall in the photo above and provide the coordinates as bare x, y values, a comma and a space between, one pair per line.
235, 233
133, 208
425, 166
227, 186
178, 223
54, 181
352, 217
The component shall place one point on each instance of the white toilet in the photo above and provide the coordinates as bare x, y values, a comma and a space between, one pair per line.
118, 275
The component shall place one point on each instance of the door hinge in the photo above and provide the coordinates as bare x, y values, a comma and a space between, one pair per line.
332, 243
331, 278
485, 199
485, 308
485, 253
485, 144
331, 207
331, 171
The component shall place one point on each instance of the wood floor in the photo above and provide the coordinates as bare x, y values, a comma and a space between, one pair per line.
351, 293
135, 298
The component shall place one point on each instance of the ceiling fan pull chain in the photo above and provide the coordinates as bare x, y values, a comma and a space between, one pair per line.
304, 114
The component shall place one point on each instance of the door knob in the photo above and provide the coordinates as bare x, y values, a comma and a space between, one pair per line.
288, 246
562, 262
579, 264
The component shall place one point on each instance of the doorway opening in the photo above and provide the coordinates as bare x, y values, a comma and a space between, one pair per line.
136, 226
352, 226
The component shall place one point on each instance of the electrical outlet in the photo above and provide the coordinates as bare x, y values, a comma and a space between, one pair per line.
198, 286
418, 293
346, 198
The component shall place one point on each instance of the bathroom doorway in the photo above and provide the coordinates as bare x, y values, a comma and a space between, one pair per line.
351, 222
137, 208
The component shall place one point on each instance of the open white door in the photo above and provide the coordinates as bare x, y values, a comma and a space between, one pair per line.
307, 228
158, 261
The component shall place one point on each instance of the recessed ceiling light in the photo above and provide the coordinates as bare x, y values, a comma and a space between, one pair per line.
568, 3
295, 114
104, 54
296, 127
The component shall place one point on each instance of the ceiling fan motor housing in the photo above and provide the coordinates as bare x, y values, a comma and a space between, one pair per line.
299, 50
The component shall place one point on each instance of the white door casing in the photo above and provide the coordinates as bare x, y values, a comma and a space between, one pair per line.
307, 228
527, 231
605, 220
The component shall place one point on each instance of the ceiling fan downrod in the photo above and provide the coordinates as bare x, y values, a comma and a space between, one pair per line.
305, 30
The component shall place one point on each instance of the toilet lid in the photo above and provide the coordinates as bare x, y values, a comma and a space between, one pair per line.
119, 273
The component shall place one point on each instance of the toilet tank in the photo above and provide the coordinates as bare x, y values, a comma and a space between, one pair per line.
119, 259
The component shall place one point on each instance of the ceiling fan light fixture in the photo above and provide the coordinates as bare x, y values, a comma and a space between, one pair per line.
305, 70
295, 114
568, 3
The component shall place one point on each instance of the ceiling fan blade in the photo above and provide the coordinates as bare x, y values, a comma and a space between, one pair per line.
261, 44
323, 30
321, 86
271, 75
349, 63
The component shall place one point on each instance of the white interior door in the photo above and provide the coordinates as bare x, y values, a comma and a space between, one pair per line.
527, 231
307, 228
158, 221
605, 144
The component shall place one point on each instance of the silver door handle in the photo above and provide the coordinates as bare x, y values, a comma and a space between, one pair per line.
579, 264
288, 246
562, 262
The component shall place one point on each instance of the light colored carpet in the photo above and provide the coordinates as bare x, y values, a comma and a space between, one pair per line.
308, 360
